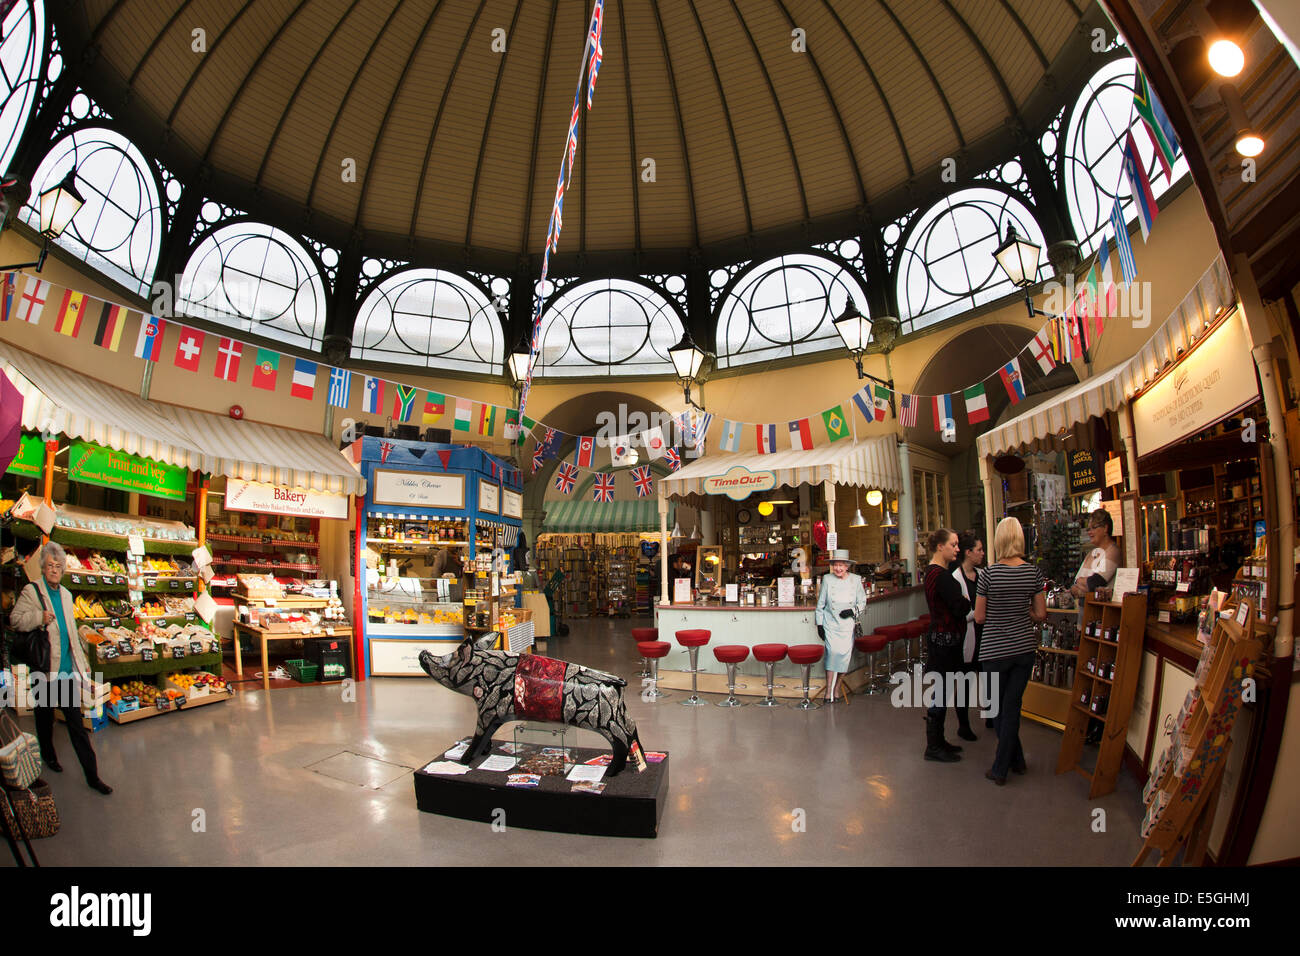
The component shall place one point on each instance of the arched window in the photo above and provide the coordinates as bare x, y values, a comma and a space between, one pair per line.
947, 265
20, 72
608, 327
1093, 166
784, 307
431, 317
119, 229
255, 277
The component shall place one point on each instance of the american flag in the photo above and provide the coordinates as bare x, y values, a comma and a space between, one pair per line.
644, 483
603, 489
565, 477
907, 409
597, 54
674, 460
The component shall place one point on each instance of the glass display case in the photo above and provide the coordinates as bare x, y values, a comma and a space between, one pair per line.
413, 575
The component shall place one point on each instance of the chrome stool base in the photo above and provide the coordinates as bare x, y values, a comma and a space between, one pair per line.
806, 704
654, 693
694, 699
731, 689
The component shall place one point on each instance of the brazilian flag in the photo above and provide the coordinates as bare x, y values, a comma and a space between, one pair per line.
837, 426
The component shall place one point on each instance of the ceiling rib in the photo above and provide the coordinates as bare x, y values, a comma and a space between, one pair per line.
1007, 98
681, 127
144, 57
207, 58
925, 65
293, 97
487, 126
1025, 32
631, 133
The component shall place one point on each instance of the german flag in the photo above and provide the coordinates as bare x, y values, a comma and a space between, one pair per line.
68, 321
112, 318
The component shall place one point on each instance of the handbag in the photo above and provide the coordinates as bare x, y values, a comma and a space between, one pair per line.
37, 813
32, 647
20, 754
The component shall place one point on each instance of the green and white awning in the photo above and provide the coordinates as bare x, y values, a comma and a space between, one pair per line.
595, 517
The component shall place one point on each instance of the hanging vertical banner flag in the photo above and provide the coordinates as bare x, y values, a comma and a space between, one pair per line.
487, 418
1076, 335
108, 328
511, 430
188, 349
565, 476
267, 369
700, 428
644, 483
526, 428
908, 407
942, 406
862, 399
403, 402
148, 344
1159, 127
673, 459
585, 452
730, 439
765, 435
977, 404
594, 48
836, 425
1127, 265
340, 387
435, 406
1107, 294
372, 400
1015, 385
1143, 197
303, 384
7, 298
229, 352
653, 439
603, 488
1096, 305
882, 402
1041, 349
32, 302
464, 412
801, 435
68, 319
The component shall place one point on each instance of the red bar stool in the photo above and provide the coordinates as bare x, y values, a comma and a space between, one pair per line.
693, 640
768, 655
644, 635
897, 634
652, 651
806, 655
731, 655
872, 645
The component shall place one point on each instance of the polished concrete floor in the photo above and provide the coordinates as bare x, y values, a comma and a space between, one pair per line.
248, 782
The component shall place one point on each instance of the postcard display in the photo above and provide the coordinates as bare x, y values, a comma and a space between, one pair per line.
423, 498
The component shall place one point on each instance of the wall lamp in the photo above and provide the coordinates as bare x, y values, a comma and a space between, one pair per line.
863, 336
58, 205
687, 359
1018, 258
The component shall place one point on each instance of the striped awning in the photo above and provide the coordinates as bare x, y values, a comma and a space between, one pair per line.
61, 400
1095, 396
594, 517
864, 464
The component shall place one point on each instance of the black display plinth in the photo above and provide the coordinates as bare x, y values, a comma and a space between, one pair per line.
630, 806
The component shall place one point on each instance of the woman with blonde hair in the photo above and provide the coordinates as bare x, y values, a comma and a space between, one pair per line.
1009, 599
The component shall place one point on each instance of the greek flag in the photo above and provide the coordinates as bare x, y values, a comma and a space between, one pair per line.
340, 387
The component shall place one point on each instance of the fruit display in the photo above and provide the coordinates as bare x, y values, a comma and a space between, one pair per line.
146, 693
95, 562
84, 607
167, 607
211, 681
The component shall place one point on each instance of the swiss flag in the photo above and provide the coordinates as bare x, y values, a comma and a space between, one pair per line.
188, 349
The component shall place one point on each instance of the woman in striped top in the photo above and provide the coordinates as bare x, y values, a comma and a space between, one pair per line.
1008, 601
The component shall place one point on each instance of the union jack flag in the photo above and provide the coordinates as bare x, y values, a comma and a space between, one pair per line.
603, 489
644, 483
597, 54
385, 449
674, 460
565, 477
539, 457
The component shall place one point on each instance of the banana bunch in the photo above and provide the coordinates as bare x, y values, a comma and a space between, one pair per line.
83, 607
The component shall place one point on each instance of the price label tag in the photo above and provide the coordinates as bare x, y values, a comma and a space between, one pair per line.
189, 617
329, 632
146, 654
76, 579
121, 579
1163, 617
196, 647
178, 651
136, 543
1184, 586
174, 584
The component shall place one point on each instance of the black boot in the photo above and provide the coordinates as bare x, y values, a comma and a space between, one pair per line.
963, 725
936, 748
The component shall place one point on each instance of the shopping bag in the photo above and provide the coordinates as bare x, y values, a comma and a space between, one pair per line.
35, 808
20, 755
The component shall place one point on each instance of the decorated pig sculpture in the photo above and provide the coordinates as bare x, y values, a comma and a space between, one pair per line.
509, 687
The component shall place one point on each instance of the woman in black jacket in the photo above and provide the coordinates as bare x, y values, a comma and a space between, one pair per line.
948, 610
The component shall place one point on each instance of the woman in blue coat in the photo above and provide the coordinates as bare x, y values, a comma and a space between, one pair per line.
839, 602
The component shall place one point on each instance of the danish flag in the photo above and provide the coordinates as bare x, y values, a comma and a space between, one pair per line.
644, 483
603, 490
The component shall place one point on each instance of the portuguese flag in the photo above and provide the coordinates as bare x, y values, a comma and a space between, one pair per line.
265, 369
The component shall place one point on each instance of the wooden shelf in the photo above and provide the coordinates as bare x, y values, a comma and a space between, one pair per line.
1060, 690
1058, 650
1062, 610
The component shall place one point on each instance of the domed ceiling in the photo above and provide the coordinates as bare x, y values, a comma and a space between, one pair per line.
759, 115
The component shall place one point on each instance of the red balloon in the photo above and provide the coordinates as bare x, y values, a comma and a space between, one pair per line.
819, 534
236, 412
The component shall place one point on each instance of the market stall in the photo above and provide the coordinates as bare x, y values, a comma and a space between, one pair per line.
599, 548
432, 540
762, 588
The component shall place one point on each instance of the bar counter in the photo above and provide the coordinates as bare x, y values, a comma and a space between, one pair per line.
742, 624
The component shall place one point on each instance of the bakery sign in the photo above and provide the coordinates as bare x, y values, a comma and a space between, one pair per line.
1199, 391
739, 483
263, 498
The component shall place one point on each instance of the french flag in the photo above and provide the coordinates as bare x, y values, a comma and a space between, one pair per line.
766, 439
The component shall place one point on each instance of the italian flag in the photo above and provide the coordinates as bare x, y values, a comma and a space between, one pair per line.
464, 408
977, 404
487, 419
